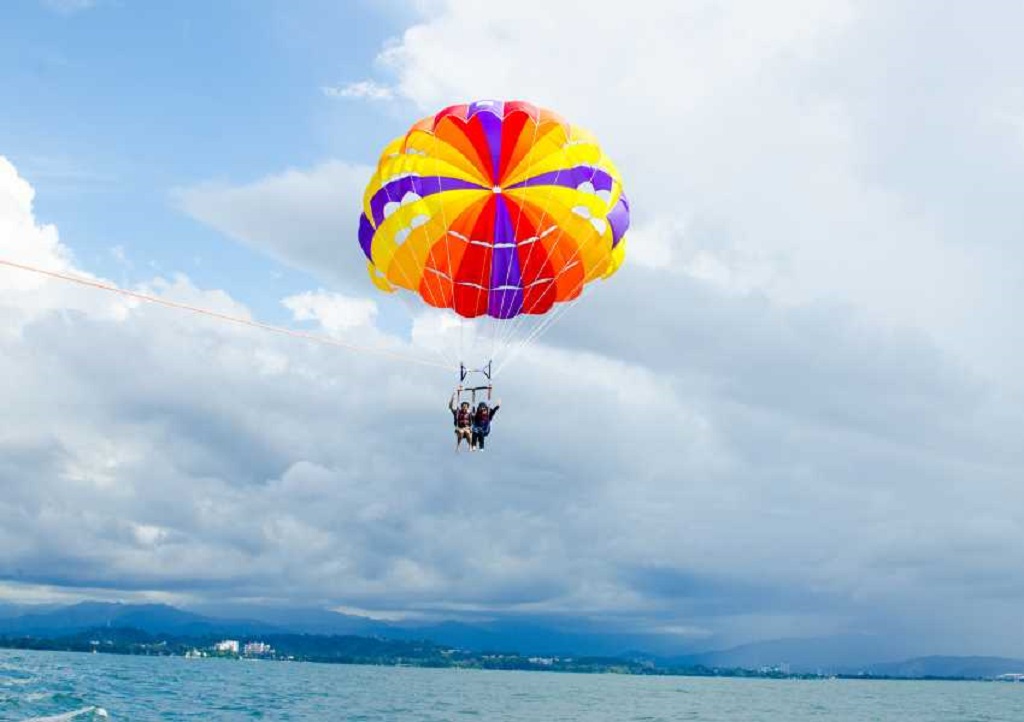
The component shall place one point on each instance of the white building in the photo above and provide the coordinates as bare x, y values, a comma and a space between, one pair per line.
228, 645
254, 648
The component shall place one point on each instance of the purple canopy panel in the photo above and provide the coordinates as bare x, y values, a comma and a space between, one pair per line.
504, 302
490, 112
570, 178
366, 232
422, 186
618, 219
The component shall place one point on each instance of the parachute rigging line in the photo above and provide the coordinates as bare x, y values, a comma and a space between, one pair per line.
220, 316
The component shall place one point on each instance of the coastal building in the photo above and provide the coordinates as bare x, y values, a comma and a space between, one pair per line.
228, 645
257, 648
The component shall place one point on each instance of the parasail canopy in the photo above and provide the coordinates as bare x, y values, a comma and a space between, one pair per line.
493, 208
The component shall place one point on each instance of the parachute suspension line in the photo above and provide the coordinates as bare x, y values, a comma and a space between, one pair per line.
493, 328
548, 321
536, 333
413, 309
327, 340
448, 361
462, 339
545, 323
496, 329
396, 256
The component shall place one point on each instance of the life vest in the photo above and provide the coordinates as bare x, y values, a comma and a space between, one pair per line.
463, 417
482, 418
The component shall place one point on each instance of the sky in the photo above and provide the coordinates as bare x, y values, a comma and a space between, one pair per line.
795, 411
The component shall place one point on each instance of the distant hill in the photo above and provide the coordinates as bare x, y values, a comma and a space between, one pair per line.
145, 617
522, 635
848, 655
527, 636
308, 620
965, 667
14, 610
843, 654
828, 655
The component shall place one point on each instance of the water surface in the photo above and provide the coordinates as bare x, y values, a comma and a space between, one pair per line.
88, 687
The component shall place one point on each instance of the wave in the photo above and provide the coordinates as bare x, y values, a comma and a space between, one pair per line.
95, 712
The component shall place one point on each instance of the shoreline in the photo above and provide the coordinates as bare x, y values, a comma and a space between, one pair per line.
468, 661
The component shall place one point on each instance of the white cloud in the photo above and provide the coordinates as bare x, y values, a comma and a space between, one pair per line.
18, 229
1008, 113
771, 421
156, 451
334, 312
68, 7
363, 89
758, 126
28, 296
304, 219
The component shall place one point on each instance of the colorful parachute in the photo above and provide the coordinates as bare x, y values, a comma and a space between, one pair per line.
498, 209
493, 208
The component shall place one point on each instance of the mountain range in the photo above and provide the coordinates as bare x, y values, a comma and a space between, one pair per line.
845, 654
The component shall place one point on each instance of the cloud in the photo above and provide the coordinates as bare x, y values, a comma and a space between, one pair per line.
365, 89
68, 7
723, 465
794, 410
813, 152
301, 218
1008, 114
334, 312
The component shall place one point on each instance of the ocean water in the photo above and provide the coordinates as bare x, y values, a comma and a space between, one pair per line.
57, 686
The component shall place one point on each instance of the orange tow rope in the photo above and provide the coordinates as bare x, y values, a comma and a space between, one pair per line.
214, 314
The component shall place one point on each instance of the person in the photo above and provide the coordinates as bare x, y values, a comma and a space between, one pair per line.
463, 418
482, 423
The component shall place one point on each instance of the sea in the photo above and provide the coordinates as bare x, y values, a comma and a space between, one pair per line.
58, 686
